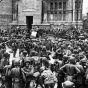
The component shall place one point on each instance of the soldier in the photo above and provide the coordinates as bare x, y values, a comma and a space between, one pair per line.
48, 76
70, 70
23, 58
8, 79
14, 47
4, 61
68, 84
18, 77
28, 70
80, 77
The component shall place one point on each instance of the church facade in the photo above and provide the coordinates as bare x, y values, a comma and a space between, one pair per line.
45, 13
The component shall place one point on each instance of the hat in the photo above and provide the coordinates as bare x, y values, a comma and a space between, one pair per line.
83, 60
75, 51
34, 53
27, 59
72, 59
16, 62
44, 48
65, 57
6, 55
24, 52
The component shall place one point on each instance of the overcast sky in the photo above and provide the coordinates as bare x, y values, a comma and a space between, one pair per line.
85, 5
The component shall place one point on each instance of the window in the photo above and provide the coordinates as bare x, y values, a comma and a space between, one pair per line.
56, 7
64, 15
60, 12
55, 16
57, 10
14, 10
60, 5
51, 6
64, 5
60, 16
77, 4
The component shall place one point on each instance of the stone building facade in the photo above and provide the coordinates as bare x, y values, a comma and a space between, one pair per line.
43, 13
5, 13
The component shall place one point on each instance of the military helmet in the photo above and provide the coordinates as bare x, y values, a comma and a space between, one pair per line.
33, 53
24, 52
83, 60
17, 62
27, 59
72, 59
75, 51
43, 59
6, 55
65, 57
44, 48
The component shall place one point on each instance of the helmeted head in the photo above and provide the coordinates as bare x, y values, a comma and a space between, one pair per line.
68, 84
72, 60
24, 52
17, 62
83, 61
34, 53
27, 61
43, 59
46, 64
65, 57
6, 55
75, 51
44, 48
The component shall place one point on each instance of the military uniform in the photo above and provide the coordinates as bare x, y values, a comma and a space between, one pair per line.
8, 79
18, 77
68, 84
14, 47
48, 78
28, 71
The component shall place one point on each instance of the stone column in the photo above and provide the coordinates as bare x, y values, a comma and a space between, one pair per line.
73, 10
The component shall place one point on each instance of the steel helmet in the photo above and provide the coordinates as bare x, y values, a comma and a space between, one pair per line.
33, 53
17, 62
72, 59
24, 52
65, 57
27, 59
83, 60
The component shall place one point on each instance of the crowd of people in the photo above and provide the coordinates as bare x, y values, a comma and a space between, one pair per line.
44, 63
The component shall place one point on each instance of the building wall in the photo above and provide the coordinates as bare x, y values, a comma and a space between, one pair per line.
34, 8
71, 15
5, 12
29, 8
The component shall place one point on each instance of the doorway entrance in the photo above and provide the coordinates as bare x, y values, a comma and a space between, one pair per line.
29, 22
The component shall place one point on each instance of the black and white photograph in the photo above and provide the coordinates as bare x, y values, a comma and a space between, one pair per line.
43, 43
